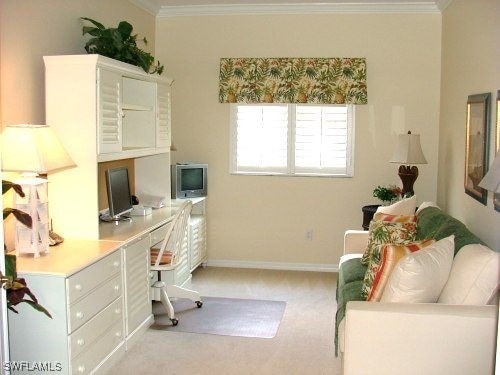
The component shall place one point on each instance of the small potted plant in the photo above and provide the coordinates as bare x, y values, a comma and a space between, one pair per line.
387, 194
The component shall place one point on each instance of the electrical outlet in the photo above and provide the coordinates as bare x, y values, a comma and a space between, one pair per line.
309, 235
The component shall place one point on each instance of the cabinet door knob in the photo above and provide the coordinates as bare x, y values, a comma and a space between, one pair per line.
118, 334
81, 369
118, 311
78, 287
117, 287
79, 315
80, 342
116, 263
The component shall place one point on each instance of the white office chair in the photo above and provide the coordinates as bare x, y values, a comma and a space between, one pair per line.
165, 256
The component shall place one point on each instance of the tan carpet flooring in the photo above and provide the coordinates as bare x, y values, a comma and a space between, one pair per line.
303, 345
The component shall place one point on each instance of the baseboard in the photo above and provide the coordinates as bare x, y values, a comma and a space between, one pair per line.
131, 339
110, 360
316, 267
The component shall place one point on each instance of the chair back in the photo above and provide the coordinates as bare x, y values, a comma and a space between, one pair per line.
176, 236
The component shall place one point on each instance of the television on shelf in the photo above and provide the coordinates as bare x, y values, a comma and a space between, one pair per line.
119, 197
189, 180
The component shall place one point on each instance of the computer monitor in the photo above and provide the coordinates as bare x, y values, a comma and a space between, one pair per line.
118, 188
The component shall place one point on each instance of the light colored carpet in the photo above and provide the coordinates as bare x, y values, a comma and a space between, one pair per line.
302, 346
223, 316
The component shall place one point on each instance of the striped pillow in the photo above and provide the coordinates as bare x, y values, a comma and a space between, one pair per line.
389, 257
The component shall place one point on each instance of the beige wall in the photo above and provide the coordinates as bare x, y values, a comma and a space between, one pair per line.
264, 219
30, 29
470, 61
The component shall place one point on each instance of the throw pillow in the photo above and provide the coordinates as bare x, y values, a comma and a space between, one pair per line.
405, 206
421, 276
386, 229
474, 277
378, 272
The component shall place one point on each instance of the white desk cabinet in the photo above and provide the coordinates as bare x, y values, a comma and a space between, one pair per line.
138, 313
86, 330
197, 240
104, 110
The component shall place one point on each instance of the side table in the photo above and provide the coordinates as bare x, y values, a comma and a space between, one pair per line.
368, 212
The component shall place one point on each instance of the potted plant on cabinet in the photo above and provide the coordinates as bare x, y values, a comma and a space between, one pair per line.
119, 44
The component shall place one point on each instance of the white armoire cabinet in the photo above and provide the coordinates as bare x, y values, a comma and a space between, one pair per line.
104, 110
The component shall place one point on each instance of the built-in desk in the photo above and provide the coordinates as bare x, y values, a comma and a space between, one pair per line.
126, 231
98, 292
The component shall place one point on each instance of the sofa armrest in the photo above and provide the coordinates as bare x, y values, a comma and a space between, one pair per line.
427, 338
355, 241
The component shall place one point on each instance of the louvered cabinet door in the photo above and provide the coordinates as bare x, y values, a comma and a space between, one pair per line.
109, 111
164, 115
182, 271
137, 299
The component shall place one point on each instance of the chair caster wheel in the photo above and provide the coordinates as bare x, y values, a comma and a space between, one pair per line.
199, 303
174, 322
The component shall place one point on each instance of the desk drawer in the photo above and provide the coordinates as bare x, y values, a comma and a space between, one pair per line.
87, 307
90, 277
84, 337
158, 234
88, 360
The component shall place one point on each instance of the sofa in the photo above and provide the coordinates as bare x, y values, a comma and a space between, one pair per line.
457, 335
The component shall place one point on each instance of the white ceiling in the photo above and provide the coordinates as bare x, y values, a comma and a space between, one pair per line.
166, 8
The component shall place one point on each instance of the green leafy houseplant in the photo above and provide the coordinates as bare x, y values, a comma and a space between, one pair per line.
119, 43
387, 194
16, 288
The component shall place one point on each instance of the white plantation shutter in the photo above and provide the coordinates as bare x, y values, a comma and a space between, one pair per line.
291, 139
322, 139
262, 138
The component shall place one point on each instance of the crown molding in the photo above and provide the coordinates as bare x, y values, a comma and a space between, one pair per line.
150, 6
443, 4
315, 8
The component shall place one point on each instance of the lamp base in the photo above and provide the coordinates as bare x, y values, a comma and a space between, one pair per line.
408, 177
34, 240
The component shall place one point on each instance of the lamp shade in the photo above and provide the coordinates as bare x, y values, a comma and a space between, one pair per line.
491, 181
408, 150
32, 148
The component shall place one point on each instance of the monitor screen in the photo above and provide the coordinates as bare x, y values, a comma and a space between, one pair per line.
192, 179
119, 197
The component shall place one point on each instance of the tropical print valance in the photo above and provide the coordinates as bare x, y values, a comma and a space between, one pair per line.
293, 80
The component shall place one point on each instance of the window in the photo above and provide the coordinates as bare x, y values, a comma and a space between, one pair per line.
292, 139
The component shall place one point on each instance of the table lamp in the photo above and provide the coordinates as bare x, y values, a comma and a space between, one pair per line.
32, 149
491, 181
408, 151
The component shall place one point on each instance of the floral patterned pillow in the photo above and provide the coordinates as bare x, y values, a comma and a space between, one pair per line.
384, 229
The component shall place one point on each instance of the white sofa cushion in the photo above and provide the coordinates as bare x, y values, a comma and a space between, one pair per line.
474, 277
405, 206
425, 205
421, 276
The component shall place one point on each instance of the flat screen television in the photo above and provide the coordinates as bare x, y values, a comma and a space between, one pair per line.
189, 180
118, 189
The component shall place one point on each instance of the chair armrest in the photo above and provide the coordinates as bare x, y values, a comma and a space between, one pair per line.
427, 338
355, 241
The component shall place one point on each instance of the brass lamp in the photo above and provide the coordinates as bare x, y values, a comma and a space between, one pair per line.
33, 149
408, 151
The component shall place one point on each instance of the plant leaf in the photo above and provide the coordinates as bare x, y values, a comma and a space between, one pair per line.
10, 265
94, 31
7, 185
22, 216
97, 24
125, 29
